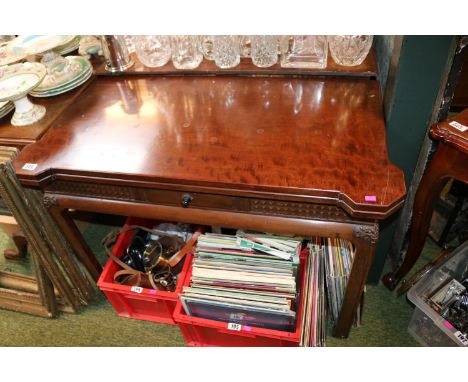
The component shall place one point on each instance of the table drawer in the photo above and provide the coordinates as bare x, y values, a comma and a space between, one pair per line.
203, 200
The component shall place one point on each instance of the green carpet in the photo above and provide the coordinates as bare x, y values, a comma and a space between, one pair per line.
385, 319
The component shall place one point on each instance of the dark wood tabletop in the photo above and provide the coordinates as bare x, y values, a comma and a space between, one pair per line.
306, 138
20, 136
453, 131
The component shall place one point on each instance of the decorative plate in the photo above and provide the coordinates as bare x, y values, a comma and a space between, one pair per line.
5, 108
76, 68
7, 57
68, 48
63, 89
36, 113
19, 79
35, 44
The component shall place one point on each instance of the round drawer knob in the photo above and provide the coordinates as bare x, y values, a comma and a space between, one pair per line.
186, 199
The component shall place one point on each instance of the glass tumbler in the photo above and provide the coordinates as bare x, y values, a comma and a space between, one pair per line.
129, 40
226, 51
245, 46
206, 43
349, 50
264, 50
308, 52
153, 51
186, 53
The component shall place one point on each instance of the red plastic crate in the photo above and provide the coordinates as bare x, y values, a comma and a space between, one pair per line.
204, 332
140, 303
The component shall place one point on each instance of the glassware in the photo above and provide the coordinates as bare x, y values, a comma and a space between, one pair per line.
206, 43
245, 46
186, 53
130, 42
264, 50
304, 52
349, 50
116, 53
153, 51
226, 51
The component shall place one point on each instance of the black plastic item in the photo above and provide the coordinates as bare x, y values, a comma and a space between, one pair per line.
146, 251
450, 218
133, 256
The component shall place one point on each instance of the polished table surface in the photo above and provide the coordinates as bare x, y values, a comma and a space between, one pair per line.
303, 138
20, 136
456, 135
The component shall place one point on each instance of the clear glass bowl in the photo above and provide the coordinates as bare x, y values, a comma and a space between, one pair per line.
153, 51
305, 51
349, 50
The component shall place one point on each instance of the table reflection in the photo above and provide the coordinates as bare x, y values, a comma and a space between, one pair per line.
290, 132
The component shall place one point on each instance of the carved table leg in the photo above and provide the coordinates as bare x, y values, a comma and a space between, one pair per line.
365, 240
447, 163
73, 235
21, 245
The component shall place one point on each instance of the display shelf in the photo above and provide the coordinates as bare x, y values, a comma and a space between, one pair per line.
368, 69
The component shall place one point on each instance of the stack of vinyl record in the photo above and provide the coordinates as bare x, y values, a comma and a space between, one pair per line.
75, 73
339, 256
314, 313
5, 108
249, 279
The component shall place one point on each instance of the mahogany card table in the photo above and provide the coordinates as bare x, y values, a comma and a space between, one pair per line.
303, 156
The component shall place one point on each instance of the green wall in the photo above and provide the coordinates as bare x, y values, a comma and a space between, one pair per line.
419, 75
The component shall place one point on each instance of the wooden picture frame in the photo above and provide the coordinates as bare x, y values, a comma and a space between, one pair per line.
60, 283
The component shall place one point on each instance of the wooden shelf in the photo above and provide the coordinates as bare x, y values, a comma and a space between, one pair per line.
368, 69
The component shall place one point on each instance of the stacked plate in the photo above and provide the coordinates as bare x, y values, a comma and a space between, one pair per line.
75, 73
68, 48
7, 57
6, 107
36, 44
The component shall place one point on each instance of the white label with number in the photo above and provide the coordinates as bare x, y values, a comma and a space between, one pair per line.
458, 126
233, 326
30, 166
461, 337
136, 289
